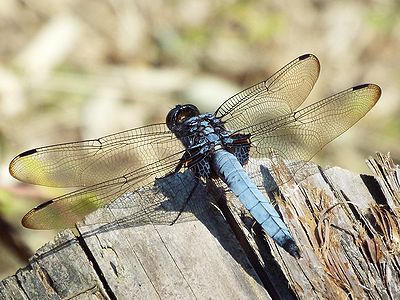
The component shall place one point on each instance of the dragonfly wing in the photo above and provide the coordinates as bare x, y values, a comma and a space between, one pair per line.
157, 203
90, 162
300, 135
279, 95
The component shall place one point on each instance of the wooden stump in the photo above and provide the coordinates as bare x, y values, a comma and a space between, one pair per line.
346, 225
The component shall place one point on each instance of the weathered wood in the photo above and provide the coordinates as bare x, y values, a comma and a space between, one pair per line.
347, 228
190, 260
345, 224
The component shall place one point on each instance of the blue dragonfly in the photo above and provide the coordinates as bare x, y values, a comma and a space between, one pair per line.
258, 122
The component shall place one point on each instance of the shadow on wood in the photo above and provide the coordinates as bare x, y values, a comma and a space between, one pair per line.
345, 224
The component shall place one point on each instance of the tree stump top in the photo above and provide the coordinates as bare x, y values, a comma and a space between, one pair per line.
345, 224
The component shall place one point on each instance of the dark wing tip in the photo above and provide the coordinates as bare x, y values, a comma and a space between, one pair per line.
312, 57
305, 56
26, 153
43, 205
14, 163
361, 86
367, 85
27, 219
371, 86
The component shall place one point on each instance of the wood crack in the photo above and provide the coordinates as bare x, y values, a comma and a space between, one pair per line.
96, 267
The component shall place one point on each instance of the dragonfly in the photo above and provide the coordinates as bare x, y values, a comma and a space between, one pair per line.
256, 123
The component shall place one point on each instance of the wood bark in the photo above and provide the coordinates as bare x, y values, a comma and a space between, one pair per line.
346, 225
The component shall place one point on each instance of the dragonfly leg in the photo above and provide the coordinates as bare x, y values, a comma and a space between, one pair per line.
187, 160
186, 202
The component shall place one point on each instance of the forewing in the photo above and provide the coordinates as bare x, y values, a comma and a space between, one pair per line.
66, 210
300, 135
279, 95
90, 162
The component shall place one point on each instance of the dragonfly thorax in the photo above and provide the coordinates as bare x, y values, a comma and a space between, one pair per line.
196, 130
202, 135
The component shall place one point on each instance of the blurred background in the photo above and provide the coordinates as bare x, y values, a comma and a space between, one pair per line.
73, 70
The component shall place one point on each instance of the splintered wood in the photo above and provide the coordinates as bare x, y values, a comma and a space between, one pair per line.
346, 226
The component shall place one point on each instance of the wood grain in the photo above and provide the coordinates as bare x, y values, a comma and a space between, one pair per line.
345, 224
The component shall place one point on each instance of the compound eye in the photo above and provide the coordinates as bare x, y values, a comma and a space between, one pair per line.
180, 114
171, 117
192, 111
181, 117
186, 112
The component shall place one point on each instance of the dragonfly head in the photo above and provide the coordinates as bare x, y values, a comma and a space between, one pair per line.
179, 114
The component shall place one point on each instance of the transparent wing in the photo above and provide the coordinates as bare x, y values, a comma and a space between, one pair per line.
300, 135
279, 95
90, 162
66, 210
